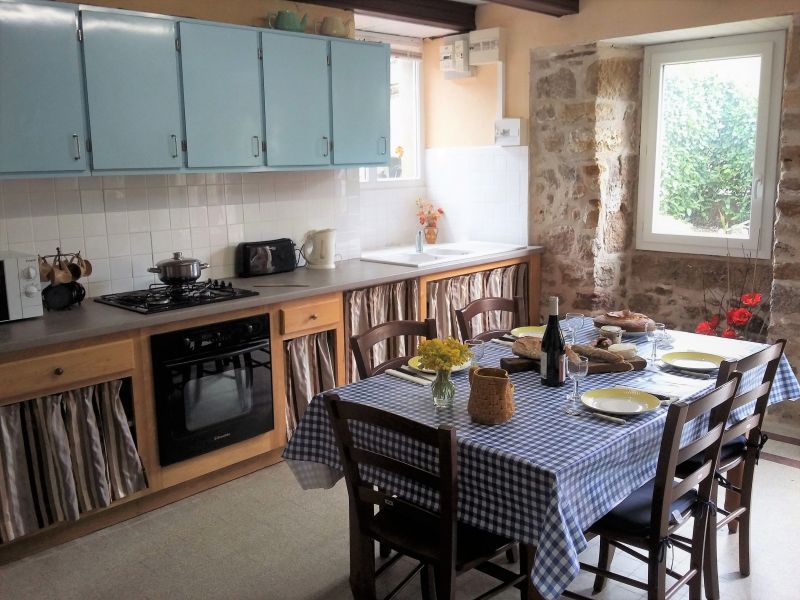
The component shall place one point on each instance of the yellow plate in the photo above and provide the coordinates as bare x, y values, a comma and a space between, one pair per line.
530, 331
620, 401
701, 362
413, 362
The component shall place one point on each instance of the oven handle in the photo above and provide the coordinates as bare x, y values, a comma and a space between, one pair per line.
197, 359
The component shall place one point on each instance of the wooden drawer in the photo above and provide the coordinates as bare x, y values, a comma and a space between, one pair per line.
63, 371
312, 316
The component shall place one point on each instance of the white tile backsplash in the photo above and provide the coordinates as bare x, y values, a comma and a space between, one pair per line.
124, 224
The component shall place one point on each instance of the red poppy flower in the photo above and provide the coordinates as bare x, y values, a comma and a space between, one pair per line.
729, 333
751, 299
441, 212
714, 321
704, 328
738, 317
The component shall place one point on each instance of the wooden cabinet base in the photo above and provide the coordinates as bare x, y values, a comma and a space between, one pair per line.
131, 507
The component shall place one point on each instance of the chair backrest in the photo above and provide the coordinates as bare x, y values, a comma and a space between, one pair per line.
362, 343
464, 316
355, 456
715, 407
751, 424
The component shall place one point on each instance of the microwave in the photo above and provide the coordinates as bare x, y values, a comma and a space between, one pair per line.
20, 290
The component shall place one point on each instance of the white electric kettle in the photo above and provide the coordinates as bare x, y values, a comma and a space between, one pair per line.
319, 249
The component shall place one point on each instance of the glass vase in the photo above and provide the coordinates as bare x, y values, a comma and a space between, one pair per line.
443, 389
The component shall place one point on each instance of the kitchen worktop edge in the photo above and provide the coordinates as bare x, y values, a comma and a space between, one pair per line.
93, 319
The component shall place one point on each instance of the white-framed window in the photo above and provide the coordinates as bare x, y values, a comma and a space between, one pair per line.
405, 156
709, 148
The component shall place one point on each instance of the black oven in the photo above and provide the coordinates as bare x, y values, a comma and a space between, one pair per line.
213, 386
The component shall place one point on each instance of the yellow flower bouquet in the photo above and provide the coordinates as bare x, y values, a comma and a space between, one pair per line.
443, 355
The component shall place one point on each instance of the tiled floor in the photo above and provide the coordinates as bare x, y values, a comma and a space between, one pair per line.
262, 538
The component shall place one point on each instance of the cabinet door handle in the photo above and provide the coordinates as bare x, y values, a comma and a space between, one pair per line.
58, 371
77, 146
327, 146
314, 316
174, 139
382, 145
256, 146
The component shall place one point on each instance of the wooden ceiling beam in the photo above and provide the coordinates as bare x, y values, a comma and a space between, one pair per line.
437, 13
555, 8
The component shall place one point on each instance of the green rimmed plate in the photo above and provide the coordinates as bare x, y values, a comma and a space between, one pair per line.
620, 401
414, 363
700, 362
529, 331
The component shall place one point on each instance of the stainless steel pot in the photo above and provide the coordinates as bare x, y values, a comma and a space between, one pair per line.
178, 270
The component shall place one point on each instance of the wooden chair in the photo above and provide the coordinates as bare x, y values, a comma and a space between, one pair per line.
464, 316
362, 343
741, 444
650, 517
435, 539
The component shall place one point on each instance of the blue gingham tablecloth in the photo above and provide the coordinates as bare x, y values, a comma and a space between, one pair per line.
544, 476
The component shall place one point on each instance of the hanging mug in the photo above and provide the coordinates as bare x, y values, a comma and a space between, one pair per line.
45, 270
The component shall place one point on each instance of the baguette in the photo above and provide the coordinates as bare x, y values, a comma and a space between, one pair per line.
597, 354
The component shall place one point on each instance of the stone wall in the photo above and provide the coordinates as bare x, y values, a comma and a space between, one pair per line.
785, 315
584, 166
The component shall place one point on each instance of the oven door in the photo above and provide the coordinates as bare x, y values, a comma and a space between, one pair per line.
214, 400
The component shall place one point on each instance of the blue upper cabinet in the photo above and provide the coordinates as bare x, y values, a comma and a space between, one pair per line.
42, 117
221, 95
296, 100
133, 91
360, 102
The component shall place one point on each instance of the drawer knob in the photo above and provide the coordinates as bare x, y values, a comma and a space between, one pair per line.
58, 371
314, 316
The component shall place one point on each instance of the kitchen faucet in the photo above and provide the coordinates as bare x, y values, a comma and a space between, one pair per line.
418, 242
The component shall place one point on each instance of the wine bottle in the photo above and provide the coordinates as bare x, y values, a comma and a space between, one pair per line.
552, 356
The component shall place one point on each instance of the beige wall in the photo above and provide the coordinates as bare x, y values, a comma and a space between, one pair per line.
461, 112
240, 12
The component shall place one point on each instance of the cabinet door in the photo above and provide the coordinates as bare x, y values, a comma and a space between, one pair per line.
132, 91
221, 95
296, 100
42, 122
360, 99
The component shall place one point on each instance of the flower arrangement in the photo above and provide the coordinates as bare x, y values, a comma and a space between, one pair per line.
443, 355
733, 316
428, 214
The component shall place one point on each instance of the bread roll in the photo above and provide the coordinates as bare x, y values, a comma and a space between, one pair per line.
528, 347
628, 320
596, 354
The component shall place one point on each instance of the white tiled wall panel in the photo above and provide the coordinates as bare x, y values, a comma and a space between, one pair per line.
483, 191
125, 224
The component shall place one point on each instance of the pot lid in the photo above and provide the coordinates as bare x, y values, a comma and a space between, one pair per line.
177, 260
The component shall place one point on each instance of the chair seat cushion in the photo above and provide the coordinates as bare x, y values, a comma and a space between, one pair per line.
728, 452
631, 517
418, 536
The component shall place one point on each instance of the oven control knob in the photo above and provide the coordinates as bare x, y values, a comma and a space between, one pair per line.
248, 329
31, 291
187, 342
30, 273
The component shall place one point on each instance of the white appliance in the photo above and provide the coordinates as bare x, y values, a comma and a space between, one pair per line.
319, 249
20, 290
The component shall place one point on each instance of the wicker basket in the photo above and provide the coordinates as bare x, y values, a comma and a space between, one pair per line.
491, 396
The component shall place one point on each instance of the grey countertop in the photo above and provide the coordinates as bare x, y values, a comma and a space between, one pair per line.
92, 319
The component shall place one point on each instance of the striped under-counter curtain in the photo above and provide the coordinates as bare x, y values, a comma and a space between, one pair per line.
448, 295
309, 371
63, 455
375, 305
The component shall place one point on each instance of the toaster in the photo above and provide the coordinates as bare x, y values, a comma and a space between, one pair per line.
265, 258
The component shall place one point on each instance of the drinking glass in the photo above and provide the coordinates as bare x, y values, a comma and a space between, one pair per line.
576, 371
659, 334
477, 348
574, 323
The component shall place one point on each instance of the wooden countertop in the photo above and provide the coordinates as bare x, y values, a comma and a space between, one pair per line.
93, 319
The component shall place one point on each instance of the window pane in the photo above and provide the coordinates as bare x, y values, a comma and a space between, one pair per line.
404, 111
706, 147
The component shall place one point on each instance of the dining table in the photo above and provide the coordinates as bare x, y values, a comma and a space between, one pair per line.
543, 477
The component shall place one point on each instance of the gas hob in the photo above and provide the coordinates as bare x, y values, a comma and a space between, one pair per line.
160, 298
